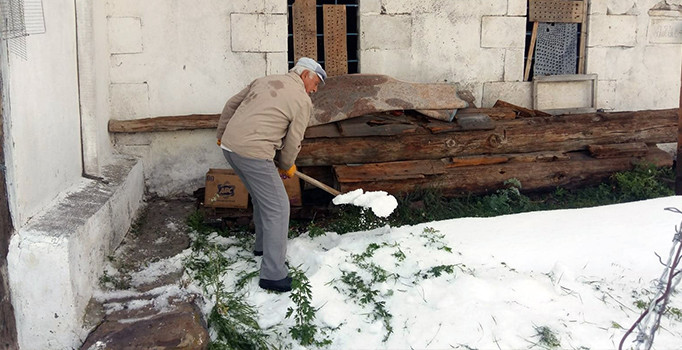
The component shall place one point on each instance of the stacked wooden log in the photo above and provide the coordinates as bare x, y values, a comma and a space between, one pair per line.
404, 153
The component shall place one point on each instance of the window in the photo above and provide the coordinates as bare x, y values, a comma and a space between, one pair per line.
351, 32
555, 42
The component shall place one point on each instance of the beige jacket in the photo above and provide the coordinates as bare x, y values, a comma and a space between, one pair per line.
269, 115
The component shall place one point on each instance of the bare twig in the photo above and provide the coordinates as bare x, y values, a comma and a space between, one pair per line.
649, 321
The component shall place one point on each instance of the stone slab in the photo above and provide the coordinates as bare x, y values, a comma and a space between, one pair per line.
258, 32
612, 31
386, 32
125, 35
353, 95
503, 32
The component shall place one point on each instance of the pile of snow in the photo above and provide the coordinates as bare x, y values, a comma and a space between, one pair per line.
381, 203
579, 273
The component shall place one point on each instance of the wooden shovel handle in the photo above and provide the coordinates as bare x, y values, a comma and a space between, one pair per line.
317, 184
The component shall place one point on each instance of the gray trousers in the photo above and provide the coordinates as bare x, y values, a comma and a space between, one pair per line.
270, 211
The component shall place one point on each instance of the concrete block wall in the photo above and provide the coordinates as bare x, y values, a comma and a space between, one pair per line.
177, 57
481, 46
55, 261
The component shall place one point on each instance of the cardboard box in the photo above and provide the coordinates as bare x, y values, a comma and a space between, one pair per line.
224, 189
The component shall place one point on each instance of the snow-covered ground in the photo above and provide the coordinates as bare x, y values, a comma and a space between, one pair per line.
483, 283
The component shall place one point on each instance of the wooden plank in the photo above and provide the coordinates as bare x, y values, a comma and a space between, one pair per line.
520, 111
531, 51
335, 47
305, 29
496, 113
376, 125
556, 11
389, 171
477, 160
557, 133
175, 123
580, 170
583, 40
633, 149
324, 130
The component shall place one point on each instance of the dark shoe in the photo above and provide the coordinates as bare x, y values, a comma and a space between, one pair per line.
258, 252
283, 285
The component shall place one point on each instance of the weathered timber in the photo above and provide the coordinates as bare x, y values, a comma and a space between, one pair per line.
557, 133
412, 169
353, 95
378, 125
496, 113
446, 115
503, 158
185, 122
634, 149
579, 170
389, 171
520, 111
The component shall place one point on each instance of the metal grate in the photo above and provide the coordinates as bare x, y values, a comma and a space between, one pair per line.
352, 8
21, 18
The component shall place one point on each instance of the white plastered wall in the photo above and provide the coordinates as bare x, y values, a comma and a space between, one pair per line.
170, 58
480, 46
42, 126
181, 57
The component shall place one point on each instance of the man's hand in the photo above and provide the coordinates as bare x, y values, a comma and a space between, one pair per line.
218, 142
288, 173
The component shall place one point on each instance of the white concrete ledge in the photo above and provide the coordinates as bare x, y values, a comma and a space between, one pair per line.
55, 260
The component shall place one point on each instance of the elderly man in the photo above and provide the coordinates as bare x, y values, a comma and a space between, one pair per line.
259, 131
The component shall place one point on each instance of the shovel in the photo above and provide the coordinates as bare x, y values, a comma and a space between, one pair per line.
317, 184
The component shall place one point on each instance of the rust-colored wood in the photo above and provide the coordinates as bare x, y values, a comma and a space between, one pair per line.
335, 47
520, 111
634, 149
580, 170
389, 171
185, 122
583, 40
556, 11
496, 113
376, 125
558, 133
324, 130
477, 160
531, 51
304, 21
8, 329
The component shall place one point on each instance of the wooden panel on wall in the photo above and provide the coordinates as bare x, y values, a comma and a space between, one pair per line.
335, 48
305, 29
556, 11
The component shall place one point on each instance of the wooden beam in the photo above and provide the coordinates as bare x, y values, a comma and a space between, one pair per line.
304, 21
557, 133
531, 51
579, 170
184, 122
335, 47
634, 149
520, 111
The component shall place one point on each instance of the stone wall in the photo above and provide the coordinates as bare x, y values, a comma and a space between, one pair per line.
182, 57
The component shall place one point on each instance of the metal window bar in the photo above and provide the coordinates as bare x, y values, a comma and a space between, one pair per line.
21, 18
321, 35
